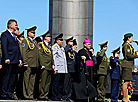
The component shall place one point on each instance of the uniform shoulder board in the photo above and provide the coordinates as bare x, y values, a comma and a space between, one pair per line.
54, 45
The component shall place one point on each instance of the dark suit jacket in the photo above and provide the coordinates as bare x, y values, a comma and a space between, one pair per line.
115, 64
70, 62
10, 48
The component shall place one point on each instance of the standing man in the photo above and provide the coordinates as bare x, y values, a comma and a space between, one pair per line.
30, 62
19, 89
102, 71
60, 68
11, 59
115, 74
69, 77
47, 63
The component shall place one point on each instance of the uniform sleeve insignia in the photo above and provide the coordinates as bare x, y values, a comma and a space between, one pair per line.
54, 46
128, 50
23, 44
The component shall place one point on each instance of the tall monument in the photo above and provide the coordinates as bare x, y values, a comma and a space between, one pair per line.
72, 18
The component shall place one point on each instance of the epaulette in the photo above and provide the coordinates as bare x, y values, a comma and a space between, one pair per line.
54, 45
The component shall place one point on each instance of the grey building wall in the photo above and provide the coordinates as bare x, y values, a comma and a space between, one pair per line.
72, 18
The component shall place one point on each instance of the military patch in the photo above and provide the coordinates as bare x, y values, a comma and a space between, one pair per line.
128, 50
46, 48
23, 44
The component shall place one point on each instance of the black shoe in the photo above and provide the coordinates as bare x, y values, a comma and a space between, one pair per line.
70, 100
48, 100
4, 98
55, 99
60, 99
12, 98
44, 99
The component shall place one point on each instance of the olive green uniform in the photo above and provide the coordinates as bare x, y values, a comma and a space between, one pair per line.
128, 61
30, 57
46, 59
102, 74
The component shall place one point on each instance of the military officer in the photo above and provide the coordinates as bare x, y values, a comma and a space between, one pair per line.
60, 68
19, 88
20, 39
30, 62
102, 71
47, 63
69, 77
128, 63
115, 74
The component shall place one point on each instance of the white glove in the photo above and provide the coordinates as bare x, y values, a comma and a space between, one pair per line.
116, 55
43, 67
104, 48
83, 57
71, 43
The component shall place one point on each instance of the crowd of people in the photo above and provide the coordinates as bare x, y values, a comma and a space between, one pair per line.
33, 69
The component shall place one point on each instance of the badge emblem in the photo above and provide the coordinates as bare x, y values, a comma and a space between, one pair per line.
23, 44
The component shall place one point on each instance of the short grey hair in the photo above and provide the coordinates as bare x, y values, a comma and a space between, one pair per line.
10, 22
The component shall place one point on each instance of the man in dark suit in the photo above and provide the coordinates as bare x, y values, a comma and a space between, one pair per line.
11, 58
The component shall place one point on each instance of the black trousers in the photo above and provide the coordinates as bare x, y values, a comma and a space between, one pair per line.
68, 85
8, 80
114, 89
57, 85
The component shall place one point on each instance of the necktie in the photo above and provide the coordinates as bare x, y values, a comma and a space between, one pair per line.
13, 36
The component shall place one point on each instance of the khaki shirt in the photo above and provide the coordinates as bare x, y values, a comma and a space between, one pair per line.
129, 56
